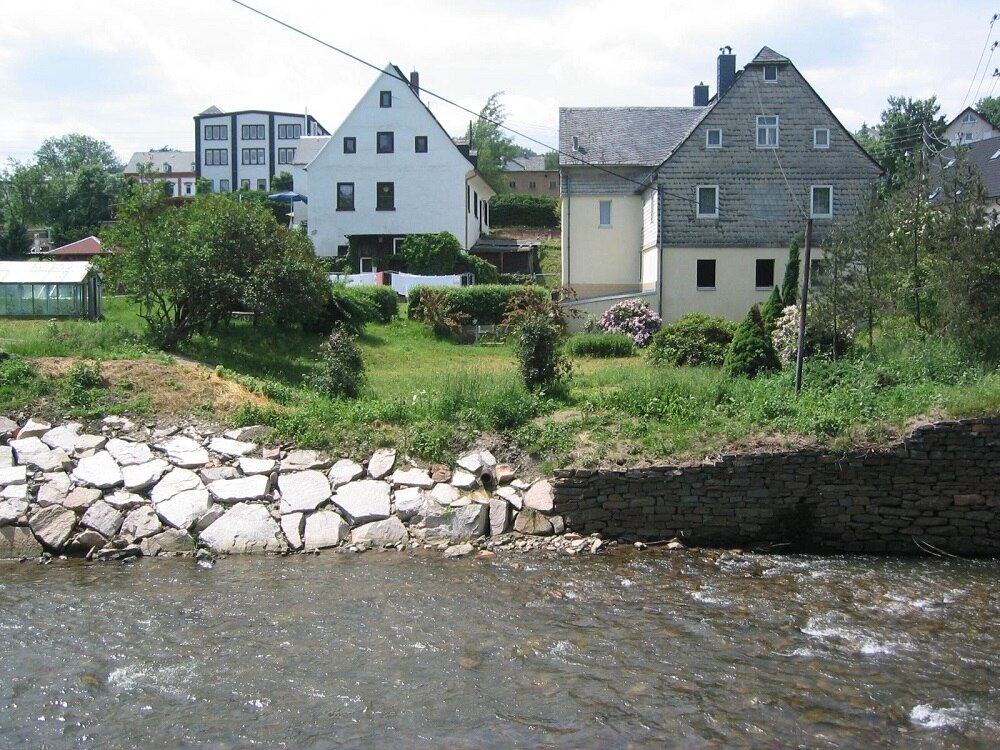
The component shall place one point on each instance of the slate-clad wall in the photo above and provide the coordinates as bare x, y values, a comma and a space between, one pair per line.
939, 489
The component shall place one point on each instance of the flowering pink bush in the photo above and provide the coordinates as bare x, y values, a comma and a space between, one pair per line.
634, 319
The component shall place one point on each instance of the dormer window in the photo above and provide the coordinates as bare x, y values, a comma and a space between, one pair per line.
167, 168
770, 72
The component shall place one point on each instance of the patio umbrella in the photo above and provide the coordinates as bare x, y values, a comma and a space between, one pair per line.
291, 196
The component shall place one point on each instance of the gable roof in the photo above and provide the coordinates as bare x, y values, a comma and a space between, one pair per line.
526, 164
308, 147
768, 56
179, 161
976, 112
639, 136
87, 246
979, 156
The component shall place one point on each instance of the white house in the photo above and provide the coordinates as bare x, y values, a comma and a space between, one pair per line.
968, 127
175, 168
389, 170
246, 149
305, 151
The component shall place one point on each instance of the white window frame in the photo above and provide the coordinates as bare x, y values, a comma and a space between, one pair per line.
366, 264
697, 202
708, 138
969, 118
825, 137
601, 223
773, 69
812, 202
763, 126
397, 245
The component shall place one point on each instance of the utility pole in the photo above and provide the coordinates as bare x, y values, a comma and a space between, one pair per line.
802, 312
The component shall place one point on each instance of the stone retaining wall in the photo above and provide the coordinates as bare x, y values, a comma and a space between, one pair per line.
939, 489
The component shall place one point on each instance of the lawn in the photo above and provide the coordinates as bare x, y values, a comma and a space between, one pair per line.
433, 398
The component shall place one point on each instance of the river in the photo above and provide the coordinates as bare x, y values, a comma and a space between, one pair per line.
631, 649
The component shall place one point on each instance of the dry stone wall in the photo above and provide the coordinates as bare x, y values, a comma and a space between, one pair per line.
937, 490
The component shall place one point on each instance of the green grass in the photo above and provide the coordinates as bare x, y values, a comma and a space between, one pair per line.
432, 398
550, 262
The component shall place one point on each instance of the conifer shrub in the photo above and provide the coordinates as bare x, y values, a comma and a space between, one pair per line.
538, 347
693, 340
771, 310
600, 345
751, 352
342, 369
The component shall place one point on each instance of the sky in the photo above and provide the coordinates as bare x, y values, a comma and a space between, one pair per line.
135, 72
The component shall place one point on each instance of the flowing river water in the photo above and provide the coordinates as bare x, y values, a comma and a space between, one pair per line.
399, 650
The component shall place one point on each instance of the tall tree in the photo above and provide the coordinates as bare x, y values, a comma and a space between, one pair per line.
492, 143
989, 107
68, 154
906, 127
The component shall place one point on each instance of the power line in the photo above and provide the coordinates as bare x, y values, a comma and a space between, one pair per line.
988, 60
989, 31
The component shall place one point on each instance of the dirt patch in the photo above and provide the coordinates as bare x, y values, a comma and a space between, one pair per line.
173, 389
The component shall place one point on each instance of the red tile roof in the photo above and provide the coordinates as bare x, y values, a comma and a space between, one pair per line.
88, 246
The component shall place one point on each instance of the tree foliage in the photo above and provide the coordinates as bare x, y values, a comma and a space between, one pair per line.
492, 144
905, 127
523, 210
989, 107
751, 353
790, 284
431, 254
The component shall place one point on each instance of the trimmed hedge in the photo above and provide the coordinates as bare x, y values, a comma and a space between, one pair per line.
484, 304
600, 345
381, 303
522, 210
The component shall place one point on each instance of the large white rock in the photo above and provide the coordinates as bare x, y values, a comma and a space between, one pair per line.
381, 463
100, 470
344, 471
242, 490
468, 523
244, 529
53, 525
511, 495
464, 480
303, 491
184, 452
540, 497
13, 475
26, 446
231, 448
291, 525
412, 478
304, 460
63, 437
128, 452
6, 453
15, 492
363, 501
17, 542
141, 522
87, 445
11, 510
387, 533
167, 542
409, 502
103, 518
445, 494
33, 428
325, 528
124, 501
175, 481
33, 452
250, 466
499, 516
211, 474
80, 498
140, 476
184, 508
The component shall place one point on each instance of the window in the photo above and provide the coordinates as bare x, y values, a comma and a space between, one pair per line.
821, 138
350, 144
261, 183
253, 132
605, 213
512, 185
705, 274
475, 203
553, 184
420, 144
385, 196
216, 157
216, 132
576, 143
397, 245
764, 274
708, 201
170, 189
345, 196
244, 184
385, 99
713, 138
343, 250
366, 265
187, 188
969, 118
767, 131
821, 204
385, 143
531, 184
289, 132
770, 72
223, 186
167, 167
253, 156
286, 155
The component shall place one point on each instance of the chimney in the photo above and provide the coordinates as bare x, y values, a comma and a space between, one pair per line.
726, 70
415, 82
701, 95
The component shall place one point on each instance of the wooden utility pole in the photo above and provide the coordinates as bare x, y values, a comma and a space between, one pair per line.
802, 312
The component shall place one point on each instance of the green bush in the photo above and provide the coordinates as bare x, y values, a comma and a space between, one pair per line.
83, 384
342, 307
771, 310
342, 370
380, 303
482, 304
431, 254
485, 272
20, 382
537, 344
693, 340
516, 279
600, 345
751, 352
522, 210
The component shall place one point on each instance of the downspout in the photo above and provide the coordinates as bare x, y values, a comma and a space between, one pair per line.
565, 250
659, 246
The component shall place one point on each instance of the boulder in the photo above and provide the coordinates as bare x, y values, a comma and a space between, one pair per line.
344, 471
15, 492
213, 514
27, 446
138, 477
63, 437
209, 474
472, 463
87, 540
540, 497
381, 463
53, 525
33, 428
511, 495
11, 510
304, 460
184, 508
412, 478
80, 498
141, 523
6, 455
499, 516
168, 542
88, 445
103, 518
468, 523
386, 533
464, 480
325, 528
33, 452
303, 491
184, 452
252, 466
124, 501
363, 501
459, 550
230, 448
129, 453
17, 542
409, 502
8, 427
173, 482
100, 470
255, 433
291, 526
245, 529
242, 490
532, 522
445, 494
13, 475
504, 474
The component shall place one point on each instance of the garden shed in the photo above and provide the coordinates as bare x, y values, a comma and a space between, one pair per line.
44, 289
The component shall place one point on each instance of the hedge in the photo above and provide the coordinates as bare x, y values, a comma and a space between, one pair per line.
522, 210
484, 304
380, 302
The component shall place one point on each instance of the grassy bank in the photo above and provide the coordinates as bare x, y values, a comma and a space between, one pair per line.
433, 398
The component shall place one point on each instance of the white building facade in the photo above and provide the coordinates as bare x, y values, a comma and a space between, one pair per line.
176, 169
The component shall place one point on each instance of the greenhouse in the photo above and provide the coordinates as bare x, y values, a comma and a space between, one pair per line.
50, 289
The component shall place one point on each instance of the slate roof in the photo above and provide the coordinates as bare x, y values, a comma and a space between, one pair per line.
768, 56
34, 272
640, 136
526, 164
979, 156
307, 147
179, 161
